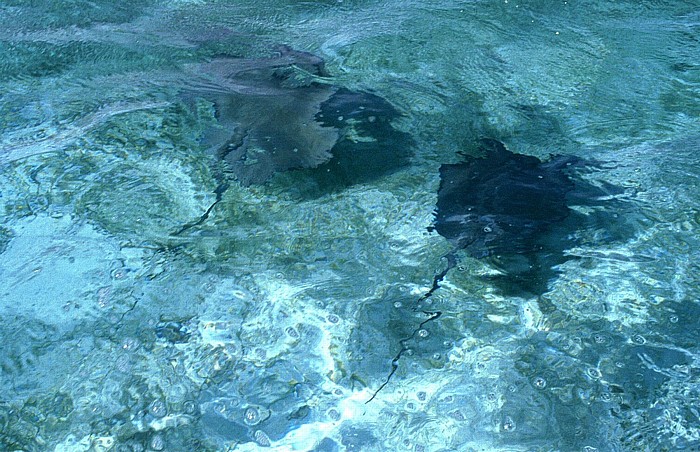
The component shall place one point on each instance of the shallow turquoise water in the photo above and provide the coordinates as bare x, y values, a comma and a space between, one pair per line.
273, 322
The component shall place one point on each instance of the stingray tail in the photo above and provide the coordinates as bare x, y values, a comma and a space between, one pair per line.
437, 279
430, 316
219, 192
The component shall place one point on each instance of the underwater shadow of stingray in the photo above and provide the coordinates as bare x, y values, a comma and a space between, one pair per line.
368, 148
515, 211
283, 113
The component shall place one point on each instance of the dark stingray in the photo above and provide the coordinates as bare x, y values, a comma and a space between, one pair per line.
281, 113
515, 210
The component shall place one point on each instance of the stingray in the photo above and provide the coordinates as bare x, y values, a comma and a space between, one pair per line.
516, 211
283, 113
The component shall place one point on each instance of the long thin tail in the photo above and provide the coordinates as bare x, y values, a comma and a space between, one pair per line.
219, 195
431, 315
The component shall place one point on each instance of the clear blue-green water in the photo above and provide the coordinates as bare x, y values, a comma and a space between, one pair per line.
270, 325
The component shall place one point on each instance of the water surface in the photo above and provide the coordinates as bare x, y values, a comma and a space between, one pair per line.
272, 322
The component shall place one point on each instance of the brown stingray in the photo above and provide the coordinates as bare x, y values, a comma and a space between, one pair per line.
281, 113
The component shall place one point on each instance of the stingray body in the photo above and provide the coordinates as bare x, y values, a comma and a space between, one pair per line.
501, 202
514, 210
281, 113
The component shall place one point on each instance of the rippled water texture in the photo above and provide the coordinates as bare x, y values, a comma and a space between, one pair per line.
150, 301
